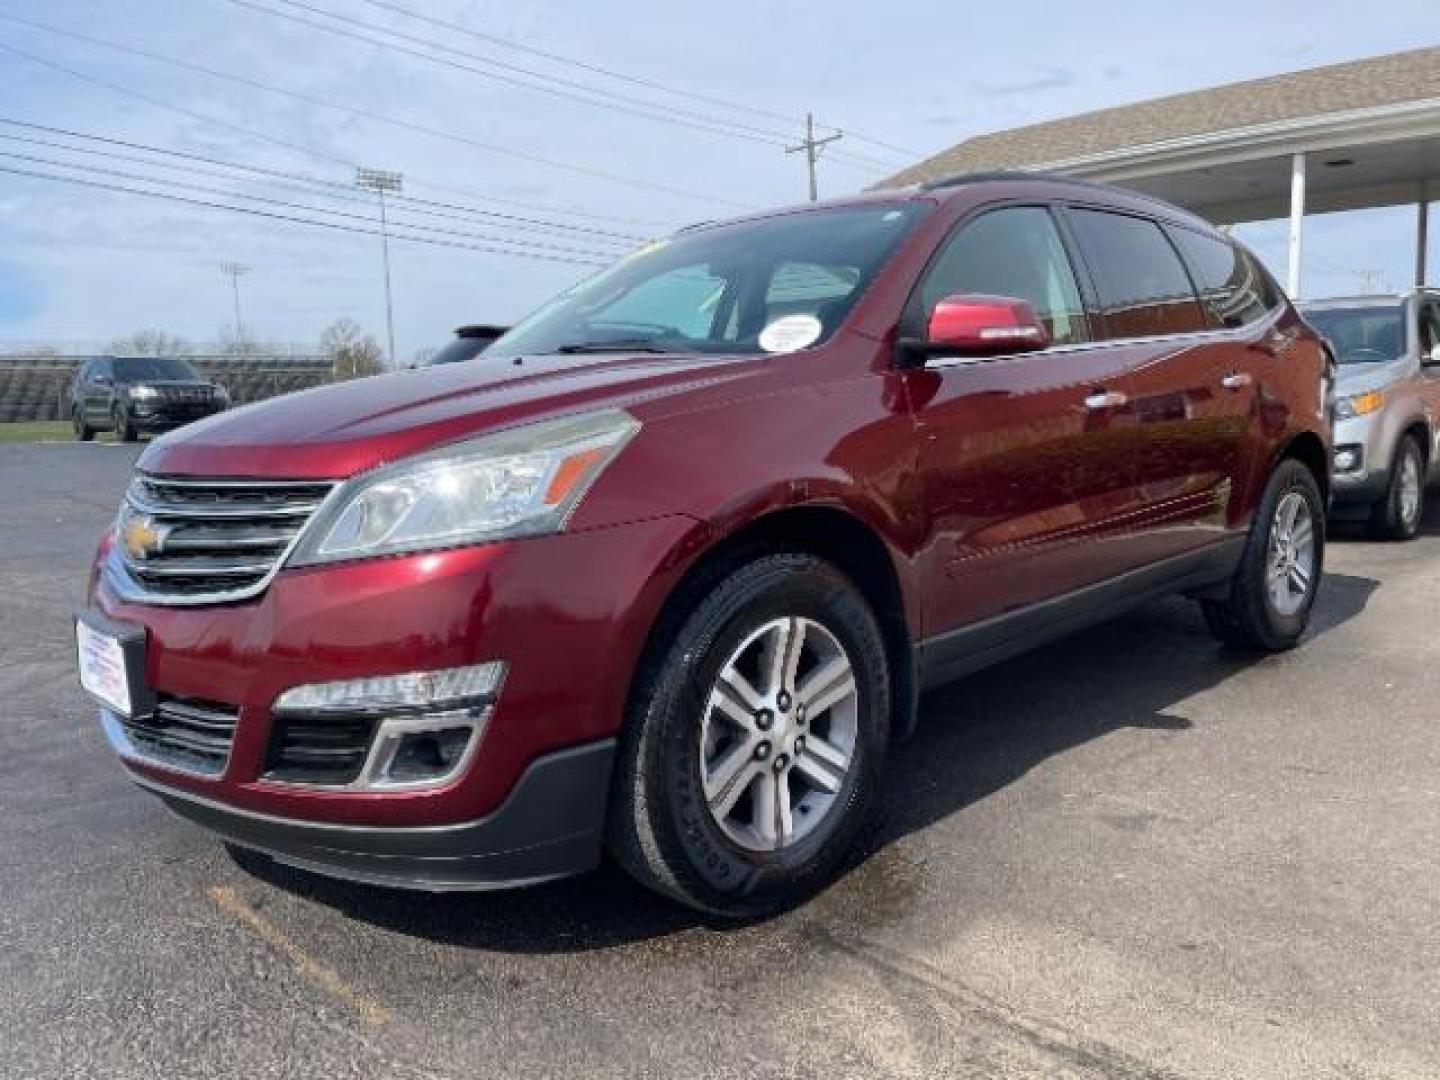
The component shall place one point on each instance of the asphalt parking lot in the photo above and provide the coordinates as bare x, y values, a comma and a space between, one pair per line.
1127, 855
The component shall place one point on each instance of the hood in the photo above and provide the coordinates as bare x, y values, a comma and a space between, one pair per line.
1360, 378
335, 431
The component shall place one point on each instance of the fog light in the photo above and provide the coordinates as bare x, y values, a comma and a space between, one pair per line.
422, 751
426, 755
1348, 459
426, 724
442, 689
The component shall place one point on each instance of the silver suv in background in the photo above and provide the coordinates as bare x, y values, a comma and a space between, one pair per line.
1387, 408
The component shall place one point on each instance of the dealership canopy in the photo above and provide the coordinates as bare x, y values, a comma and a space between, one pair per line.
1344, 137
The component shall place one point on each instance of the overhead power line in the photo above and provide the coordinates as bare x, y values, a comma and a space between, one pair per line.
350, 110
633, 80
562, 88
647, 110
301, 182
267, 201
35, 174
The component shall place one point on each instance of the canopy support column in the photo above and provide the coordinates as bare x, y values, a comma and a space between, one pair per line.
1422, 232
1297, 222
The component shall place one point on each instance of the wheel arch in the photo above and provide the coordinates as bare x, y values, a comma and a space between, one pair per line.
1310, 450
828, 532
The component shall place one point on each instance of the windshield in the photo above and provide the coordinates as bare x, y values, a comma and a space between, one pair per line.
139, 368
774, 285
1362, 335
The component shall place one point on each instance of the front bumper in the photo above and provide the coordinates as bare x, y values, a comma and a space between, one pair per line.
164, 417
549, 827
1362, 487
568, 614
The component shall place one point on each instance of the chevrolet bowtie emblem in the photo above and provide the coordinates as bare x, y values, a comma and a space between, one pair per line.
143, 538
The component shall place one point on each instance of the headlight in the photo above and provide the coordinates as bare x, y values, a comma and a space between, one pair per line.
143, 393
1358, 405
516, 483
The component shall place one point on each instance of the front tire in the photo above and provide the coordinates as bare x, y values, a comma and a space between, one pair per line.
1274, 588
1398, 515
755, 740
124, 430
83, 431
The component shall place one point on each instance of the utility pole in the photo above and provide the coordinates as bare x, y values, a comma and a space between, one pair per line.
236, 270
381, 181
812, 147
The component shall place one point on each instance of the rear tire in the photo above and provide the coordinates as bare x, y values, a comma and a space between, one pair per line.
1267, 609
1398, 515
754, 741
83, 431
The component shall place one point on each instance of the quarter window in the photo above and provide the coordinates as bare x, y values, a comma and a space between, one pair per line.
1142, 285
1014, 252
1232, 288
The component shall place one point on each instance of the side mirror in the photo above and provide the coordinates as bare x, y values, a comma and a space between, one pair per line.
974, 325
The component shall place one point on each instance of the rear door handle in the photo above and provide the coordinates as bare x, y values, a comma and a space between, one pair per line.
1106, 399
1236, 380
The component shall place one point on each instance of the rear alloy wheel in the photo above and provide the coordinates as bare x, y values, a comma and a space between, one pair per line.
1398, 515
1275, 585
83, 431
754, 741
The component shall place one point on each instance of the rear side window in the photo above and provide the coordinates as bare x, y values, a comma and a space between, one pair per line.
1014, 252
1142, 285
1233, 288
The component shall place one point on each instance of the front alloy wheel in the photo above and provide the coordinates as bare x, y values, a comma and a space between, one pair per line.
778, 735
1398, 515
754, 738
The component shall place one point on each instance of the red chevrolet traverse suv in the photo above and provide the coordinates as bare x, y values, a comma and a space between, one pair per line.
665, 571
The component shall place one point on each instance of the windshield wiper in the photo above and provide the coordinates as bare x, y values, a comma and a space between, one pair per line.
644, 345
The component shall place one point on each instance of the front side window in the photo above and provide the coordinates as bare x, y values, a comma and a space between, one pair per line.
1232, 288
1364, 334
1015, 252
1143, 287
719, 289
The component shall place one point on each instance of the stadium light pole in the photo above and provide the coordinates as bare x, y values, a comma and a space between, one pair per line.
236, 270
380, 181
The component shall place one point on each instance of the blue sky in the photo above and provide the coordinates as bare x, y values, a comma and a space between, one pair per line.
79, 265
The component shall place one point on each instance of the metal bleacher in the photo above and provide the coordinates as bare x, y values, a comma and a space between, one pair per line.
37, 387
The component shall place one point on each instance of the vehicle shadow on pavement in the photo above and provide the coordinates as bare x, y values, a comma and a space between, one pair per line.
980, 735
974, 738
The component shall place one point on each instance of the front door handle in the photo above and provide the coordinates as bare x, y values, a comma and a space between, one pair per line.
1236, 380
1106, 399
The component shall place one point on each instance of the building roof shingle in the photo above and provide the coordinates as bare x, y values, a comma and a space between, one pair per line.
1358, 84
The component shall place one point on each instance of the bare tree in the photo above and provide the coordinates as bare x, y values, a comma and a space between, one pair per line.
149, 342
352, 352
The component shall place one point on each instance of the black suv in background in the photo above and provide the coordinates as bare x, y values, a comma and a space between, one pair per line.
131, 394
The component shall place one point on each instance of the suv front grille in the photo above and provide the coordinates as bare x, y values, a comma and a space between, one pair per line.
317, 749
185, 733
183, 541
